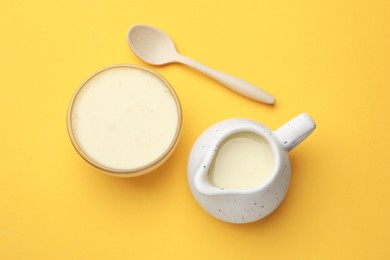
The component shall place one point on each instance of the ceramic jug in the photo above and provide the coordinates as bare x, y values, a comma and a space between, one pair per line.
244, 205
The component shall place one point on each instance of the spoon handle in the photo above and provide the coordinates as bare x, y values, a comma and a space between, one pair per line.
243, 87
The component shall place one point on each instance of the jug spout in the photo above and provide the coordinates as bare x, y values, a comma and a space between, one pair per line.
295, 131
204, 186
202, 183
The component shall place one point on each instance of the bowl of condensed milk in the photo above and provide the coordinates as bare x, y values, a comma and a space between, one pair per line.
125, 120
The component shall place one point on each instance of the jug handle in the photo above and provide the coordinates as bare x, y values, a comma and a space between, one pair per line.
295, 131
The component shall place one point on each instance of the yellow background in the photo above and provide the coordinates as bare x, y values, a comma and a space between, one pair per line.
330, 59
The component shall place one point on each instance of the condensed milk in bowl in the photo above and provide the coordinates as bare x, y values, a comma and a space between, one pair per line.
125, 120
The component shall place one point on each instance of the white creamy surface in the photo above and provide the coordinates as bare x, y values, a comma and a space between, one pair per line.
243, 160
124, 118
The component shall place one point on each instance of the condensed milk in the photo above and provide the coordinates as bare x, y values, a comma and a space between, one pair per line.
244, 160
125, 120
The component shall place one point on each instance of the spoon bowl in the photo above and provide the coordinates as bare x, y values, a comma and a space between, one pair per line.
151, 45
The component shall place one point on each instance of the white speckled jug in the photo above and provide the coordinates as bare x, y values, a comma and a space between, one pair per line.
245, 205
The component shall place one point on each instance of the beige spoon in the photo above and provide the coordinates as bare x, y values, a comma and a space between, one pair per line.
155, 47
